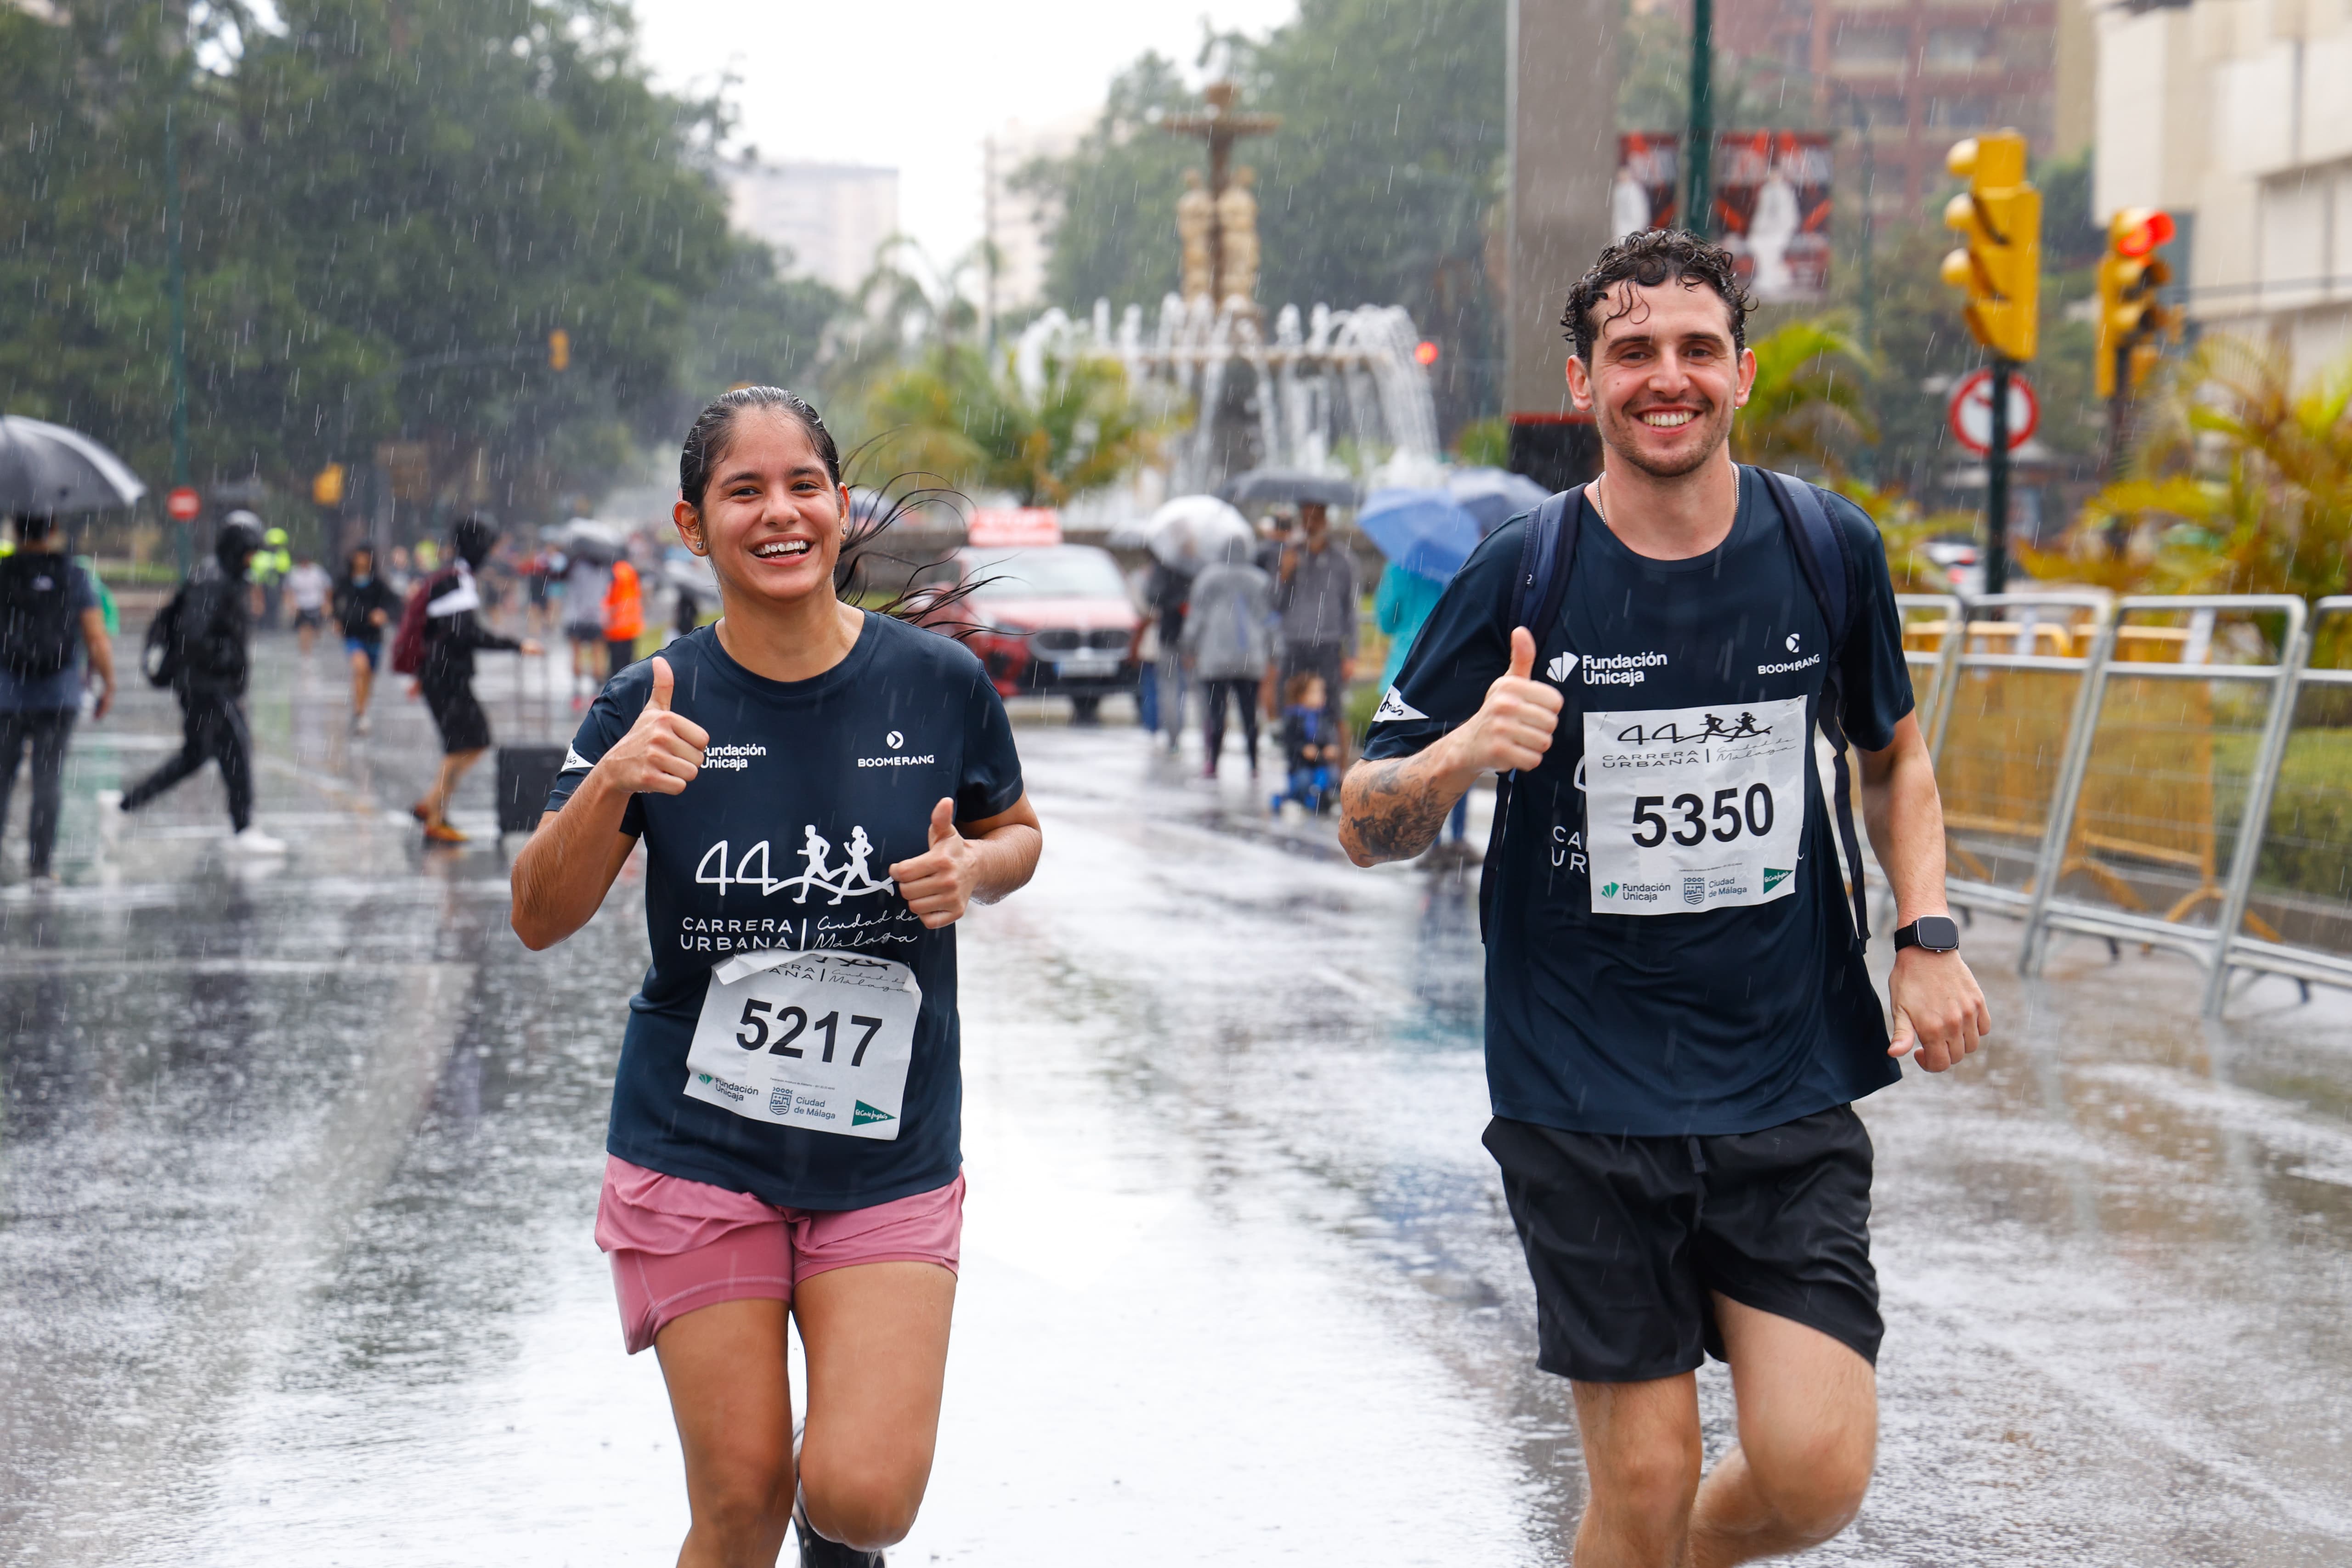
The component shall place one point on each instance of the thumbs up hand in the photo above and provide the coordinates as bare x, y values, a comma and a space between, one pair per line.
1513, 728
938, 883
662, 752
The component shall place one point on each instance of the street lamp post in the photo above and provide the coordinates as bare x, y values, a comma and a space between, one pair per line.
1699, 143
178, 285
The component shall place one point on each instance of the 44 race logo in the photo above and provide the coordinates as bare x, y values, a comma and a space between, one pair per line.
851, 879
1671, 733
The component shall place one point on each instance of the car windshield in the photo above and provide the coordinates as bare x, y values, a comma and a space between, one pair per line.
1059, 572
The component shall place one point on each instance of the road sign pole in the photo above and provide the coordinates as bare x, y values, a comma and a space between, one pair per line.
1996, 554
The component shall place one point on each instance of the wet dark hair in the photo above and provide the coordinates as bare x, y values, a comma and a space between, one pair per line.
706, 440
1647, 259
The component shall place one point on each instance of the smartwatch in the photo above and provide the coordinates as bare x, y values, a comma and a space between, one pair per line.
1935, 934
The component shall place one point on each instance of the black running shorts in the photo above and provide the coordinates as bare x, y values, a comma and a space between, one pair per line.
458, 715
1628, 1237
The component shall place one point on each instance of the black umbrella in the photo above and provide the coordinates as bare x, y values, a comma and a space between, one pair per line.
1286, 486
47, 469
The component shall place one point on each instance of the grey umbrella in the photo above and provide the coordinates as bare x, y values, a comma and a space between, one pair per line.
1286, 486
47, 468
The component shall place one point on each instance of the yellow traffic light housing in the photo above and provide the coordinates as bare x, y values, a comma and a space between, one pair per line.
327, 486
559, 350
2000, 267
2130, 316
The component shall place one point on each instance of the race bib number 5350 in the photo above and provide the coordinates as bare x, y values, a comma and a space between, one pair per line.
819, 1040
1694, 808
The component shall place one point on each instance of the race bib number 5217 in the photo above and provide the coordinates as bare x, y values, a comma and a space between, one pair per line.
1689, 809
817, 1041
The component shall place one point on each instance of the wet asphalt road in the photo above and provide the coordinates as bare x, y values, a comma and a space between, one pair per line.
298, 1165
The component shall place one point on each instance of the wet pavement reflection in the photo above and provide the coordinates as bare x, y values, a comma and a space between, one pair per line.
298, 1165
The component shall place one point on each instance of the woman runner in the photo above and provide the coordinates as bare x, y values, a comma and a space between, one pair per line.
784, 1130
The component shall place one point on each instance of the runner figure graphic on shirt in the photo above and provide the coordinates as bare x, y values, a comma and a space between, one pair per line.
852, 881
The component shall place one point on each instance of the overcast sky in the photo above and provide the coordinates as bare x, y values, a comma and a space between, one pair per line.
918, 84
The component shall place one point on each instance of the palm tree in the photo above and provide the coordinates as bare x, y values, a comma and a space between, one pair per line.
953, 412
1808, 402
2238, 483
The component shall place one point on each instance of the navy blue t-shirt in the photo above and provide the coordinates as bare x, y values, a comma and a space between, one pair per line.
1707, 1021
907, 719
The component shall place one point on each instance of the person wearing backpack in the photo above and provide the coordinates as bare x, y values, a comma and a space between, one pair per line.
451, 631
49, 612
198, 646
1678, 1017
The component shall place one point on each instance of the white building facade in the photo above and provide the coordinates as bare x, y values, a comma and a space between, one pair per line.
1020, 222
825, 220
2238, 114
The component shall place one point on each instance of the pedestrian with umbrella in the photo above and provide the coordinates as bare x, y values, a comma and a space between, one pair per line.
1315, 592
51, 613
1426, 535
1184, 536
1226, 634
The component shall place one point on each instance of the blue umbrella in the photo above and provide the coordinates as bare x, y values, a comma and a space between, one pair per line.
1494, 495
1423, 532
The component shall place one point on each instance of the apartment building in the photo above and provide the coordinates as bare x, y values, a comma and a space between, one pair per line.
2236, 117
828, 218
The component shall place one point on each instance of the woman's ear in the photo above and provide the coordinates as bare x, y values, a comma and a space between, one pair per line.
688, 523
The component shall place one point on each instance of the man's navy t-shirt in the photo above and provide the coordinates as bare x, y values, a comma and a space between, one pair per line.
1722, 1020
907, 719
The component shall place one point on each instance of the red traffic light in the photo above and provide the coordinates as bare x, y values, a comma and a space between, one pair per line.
1425, 352
2138, 231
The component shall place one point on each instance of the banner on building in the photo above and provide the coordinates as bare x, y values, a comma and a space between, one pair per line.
1772, 203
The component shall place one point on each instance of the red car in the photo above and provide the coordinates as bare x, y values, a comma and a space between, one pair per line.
1055, 620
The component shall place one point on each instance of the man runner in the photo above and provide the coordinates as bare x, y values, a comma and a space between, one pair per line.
1678, 1017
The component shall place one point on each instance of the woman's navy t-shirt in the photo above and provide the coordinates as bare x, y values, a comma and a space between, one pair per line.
908, 719
1720, 1021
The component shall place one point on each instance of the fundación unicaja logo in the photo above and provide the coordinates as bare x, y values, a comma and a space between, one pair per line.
1608, 889
1563, 666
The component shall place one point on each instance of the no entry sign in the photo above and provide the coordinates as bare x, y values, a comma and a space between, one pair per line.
182, 504
1970, 412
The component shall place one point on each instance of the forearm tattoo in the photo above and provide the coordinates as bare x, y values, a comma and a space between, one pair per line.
1394, 810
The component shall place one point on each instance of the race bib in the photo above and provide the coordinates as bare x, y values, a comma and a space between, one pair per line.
1694, 808
819, 1040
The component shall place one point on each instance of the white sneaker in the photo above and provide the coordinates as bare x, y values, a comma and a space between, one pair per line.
253, 841
109, 812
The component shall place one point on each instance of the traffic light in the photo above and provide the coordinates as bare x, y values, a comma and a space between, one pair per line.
1999, 268
327, 486
2129, 275
559, 350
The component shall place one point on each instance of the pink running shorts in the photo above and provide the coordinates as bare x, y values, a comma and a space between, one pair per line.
677, 1244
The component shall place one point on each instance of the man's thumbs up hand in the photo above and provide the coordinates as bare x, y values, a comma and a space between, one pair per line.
1513, 728
938, 883
662, 752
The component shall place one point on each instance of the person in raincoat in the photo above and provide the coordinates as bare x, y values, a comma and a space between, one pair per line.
1228, 638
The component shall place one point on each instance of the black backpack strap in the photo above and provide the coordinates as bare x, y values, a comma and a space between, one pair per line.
1822, 556
1546, 557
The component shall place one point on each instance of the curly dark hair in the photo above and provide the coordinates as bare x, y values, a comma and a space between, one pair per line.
1648, 258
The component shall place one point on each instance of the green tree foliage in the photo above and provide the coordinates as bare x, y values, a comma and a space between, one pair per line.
1808, 405
389, 205
1383, 187
954, 413
2242, 482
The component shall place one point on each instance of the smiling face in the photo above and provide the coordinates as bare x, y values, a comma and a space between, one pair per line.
771, 522
1664, 378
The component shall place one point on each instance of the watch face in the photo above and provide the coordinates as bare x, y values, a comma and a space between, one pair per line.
1938, 934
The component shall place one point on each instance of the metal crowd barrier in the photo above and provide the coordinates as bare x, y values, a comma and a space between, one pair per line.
2303, 962
2008, 718
2149, 744
2107, 771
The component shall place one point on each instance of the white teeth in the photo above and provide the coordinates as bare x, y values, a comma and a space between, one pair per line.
781, 547
1665, 421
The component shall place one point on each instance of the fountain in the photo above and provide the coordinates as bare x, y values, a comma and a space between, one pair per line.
1335, 392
